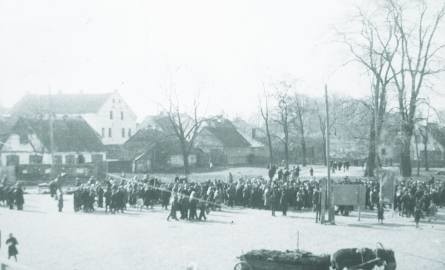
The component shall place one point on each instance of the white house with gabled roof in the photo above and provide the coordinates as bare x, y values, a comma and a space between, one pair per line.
108, 114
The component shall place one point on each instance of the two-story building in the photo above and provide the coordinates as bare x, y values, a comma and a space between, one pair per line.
30, 142
108, 114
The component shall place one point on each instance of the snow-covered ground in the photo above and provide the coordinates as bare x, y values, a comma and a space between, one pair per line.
145, 240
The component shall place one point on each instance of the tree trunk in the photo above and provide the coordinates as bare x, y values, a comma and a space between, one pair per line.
303, 149
286, 151
324, 150
370, 162
425, 151
185, 157
186, 163
405, 155
286, 146
417, 157
269, 142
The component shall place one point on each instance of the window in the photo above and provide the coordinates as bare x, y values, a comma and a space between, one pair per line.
103, 132
70, 159
12, 160
129, 132
57, 159
80, 159
122, 115
109, 133
35, 159
111, 115
123, 133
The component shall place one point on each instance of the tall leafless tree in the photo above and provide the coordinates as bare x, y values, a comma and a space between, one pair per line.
264, 110
185, 129
374, 48
299, 111
416, 57
284, 116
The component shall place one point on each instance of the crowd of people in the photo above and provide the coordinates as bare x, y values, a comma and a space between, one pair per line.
419, 199
11, 195
192, 200
188, 200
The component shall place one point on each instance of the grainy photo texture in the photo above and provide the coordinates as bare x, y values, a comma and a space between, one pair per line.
226, 134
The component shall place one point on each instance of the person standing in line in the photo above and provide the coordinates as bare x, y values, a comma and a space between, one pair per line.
173, 207
417, 215
12, 247
380, 213
60, 202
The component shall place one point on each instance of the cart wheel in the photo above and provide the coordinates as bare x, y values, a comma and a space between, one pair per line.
242, 266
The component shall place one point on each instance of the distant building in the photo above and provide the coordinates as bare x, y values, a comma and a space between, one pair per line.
108, 114
28, 142
225, 145
434, 135
154, 150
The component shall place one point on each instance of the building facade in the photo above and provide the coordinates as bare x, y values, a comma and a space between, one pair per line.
29, 143
108, 114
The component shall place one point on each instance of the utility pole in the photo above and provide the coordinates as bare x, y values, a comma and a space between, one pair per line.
51, 136
330, 198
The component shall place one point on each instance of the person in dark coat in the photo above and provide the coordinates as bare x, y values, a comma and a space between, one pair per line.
19, 199
60, 202
380, 213
12, 247
100, 197
284, 201
417, 215
10, 197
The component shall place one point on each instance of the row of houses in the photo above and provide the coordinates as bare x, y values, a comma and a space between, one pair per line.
79, 129
95, 128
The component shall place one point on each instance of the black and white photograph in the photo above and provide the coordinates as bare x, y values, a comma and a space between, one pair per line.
222, 134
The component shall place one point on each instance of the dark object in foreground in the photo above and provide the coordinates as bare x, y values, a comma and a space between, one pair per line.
364, 259
282, 260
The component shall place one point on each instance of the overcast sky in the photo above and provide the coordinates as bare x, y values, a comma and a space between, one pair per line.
223, 50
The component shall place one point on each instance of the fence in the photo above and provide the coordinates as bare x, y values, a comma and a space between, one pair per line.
43, 172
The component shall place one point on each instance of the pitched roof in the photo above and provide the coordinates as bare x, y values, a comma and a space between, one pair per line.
147, 139
226, 133
60, 104
70, 135
229, 137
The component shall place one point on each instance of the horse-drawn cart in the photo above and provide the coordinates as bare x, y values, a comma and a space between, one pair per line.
279, 260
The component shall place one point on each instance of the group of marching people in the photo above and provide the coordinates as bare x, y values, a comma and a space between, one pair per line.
419, 199
11, 195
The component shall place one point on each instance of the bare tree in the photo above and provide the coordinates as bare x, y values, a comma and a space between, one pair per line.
299, 110
416, 55
370, 48
284, 117
264, 110
185, 129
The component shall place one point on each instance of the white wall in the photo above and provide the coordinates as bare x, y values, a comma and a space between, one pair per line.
102, 120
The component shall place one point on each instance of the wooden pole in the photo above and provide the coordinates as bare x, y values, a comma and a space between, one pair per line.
331, 215
51, 136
